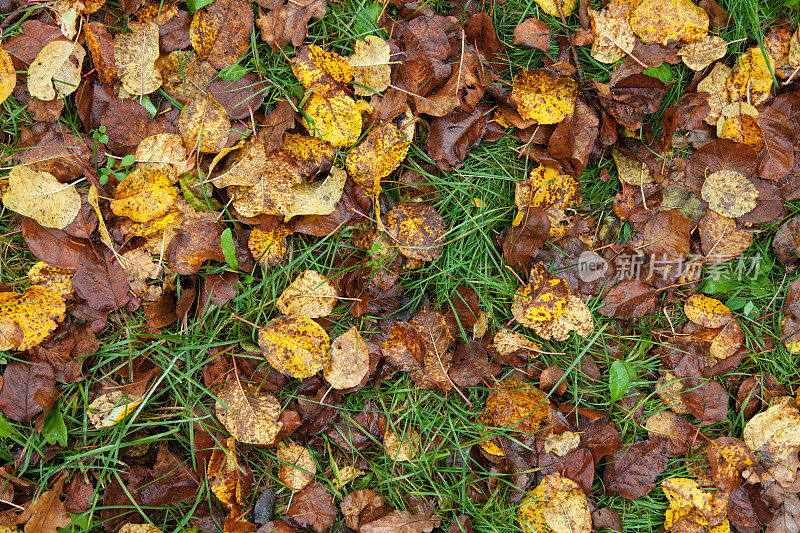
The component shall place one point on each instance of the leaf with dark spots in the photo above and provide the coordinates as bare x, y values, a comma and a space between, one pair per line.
453, 135
101, 281
577, 465
776, 160
174, 33
241, 97
693, 108
54, 149
666, 234
722, 154
633, 470
786, 243
195, 243
21, 383
53, 246
471, 365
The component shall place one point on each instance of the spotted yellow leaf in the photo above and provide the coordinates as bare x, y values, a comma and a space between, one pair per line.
325, 73
662, 21
543, 97
144, 196
295, 346
27, 319
40, 196
335, 119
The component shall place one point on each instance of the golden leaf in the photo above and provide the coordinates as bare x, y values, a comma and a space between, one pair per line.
720, 237
556, 505
58, 280
349, 361
417, 230
377, 156
543, 299
40, 196
691, 506
244, 164
227, 476
631, 171
273, 190
729, 193
562, 444
516, 405
8, 75
144, 196
576, 317
318, 198
370, 64
268, 247
184, 76
613, 36
312, 154
716, 85
164, 153
324, 73
404, 447
136, 53
310, 295
295, 346
542, 96
335, 119
27, 319
56, 71
751, 81
249, 414
204, 124
220, 33
738, 121
296, 467
700, 54
551, 7
707, 312
662, 21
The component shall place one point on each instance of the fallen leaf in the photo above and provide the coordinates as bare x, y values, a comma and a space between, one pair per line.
729, 193
313, 155
707, 312
376, 157
27, 319
47, 514
699, 55
533, 33
562, 444
135, 54
576, 317
357, 502
310, 295
184, 76
110, 408
404, 447
101, 281
417, 230
774, 437
557, 504
295, 346
728, 457
21, 383
715, 85
686, 21
8, 75
228, 477
673, 427
204, 124
324, 73
721, 239
313, 507
268, 246
144, 196
272, 189
40, 196
399, 521
633, 470
249, 414
691, 505
58, 280
164, 153
318, 198
543, 299
349, 362
56, 71
220, 33
370, 65
296, 467
613, 36
289, 23
542, 96
516, 405
750, 81
335, 119
557, 7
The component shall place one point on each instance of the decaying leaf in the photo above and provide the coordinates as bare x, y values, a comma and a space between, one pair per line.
417, 230
165, 153
690, 506
633, 471
729, 193
562, 444
533, 33
40, 196
370, 65
249, 414
204, 124
27, 319
555, 7
136, 53
56, 71
325, 73
728, 457
377, 156
144, 196
576, 317
715, 85
557, 504
700, 54
707, 312
335, 119
721, 239
517, 405
297, 468
751, 81
310, 295
228, 477
111, 408
613, 36
543, 97
58, 280
632, 171
295, 346
543, 299
8, 75
318, 198
774, 437
220, 33
349, 361
686, 21
272, 189
403, 447
268, 247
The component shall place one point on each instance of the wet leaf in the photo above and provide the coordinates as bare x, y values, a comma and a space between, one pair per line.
40, 196
56, 71
728, 457
110, 408
516, 405
399, 521
324, 73
417, 230
706, 400
557, 504
633, 470
553, 7
707, 312
228, 477
686, 21
313, 507
268, 247
58, 280
101, 281
533, 33
144, 196
296, 467
135, 54
204, 125
272, 189
403, 447
377, 156
721, 239
543, 299
318, 198
27, 319
576, 317
164, 153
21, 383
8, 75
750, 81
690, 506
335, 119
666, 235
700, 54
774, 437
370, 66
310, 295
249, 414
630, 298
543, 97
295, 346
184, 76
220, 33
613, 36
673, 427
349, 361
729, 193
47, 514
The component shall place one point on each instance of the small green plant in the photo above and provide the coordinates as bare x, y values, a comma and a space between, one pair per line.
118, 167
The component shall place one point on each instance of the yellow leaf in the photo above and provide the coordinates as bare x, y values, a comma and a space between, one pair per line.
268, 247
312, 154
335, 119
729, 193
296, 467
324, 73
349, 361
56, 71
613, 36
707, 312
738, 121
318, 198
543, 299
295, 346
691, 506
244, 164
417, 230
8, 75
562, 444
715, 85
273, 190
662, 21
220, 33
165, 153
138, 528
543, 97
370, 63
551, 7
184, 76
310, 295
631, 171
516, 405
556, 505
699, 55
40, 196
404, 447
27, 319
750, 80
249, 414
576, 317
135, 54
110, 408
376, 157
144, 196
227, 475
204, 124
58, 280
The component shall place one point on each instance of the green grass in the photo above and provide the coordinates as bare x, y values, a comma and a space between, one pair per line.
178, 398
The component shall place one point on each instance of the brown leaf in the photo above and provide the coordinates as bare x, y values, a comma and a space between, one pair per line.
229, 478
66, 350
722, 154
313, 507
239, 97
102, 282
574, 137
47, 513
633, 470
249, 414
195, 242
633, 97
417, 230
402, 522
533, 33
667, 234
776, 160
220, 33
289, 23
630, 298
452, 136
728, 458
21, 382
706, 400
54, 247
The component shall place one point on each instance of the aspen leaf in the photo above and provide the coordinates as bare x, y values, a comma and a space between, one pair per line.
110, 408
335, 119
220, 33
707, 312
551, 192
543, 299
58, 280
690, 505
184, 76
295, 346
699, 55
417, 230
370, 64
562, 444
144, 196
557, 504
662, 21
296, 467
324, 73
729, 193
318, 198
56, 71
551, 7
27, 319
249, 414
244, 164
8, 75
40, 196
377, 156
136, 53
728, 457
204, 124
349, 361
164, 153
750, 80
268, 246
310, 295
101, 46
739, 122
774, 438
272, 191
543, 97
